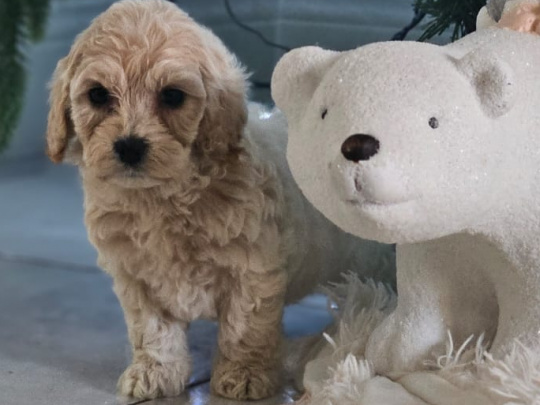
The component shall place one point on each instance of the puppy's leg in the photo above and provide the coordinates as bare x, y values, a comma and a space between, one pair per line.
161, 364
248, 362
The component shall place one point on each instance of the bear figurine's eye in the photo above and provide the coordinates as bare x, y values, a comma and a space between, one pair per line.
434, 123
325, 111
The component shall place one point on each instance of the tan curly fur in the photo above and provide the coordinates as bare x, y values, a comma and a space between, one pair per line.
203, 231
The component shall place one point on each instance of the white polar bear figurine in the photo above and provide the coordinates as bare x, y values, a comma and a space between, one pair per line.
437, 149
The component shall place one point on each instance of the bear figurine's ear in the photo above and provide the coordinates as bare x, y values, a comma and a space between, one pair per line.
492, 79
297, 76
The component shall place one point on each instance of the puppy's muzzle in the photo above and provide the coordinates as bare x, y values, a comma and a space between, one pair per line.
131, 150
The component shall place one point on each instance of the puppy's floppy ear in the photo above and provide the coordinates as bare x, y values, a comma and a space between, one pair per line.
225, 113
59, 125
297, 75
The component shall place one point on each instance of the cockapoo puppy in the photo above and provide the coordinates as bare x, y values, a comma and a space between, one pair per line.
190, 205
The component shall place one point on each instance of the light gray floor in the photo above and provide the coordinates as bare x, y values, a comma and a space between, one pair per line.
62, 335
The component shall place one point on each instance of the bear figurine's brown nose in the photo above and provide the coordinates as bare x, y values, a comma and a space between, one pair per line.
359, 147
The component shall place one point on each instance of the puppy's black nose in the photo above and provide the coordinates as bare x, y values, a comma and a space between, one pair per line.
359, 147
131, 150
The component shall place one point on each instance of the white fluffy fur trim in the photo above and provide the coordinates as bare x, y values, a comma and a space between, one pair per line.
466, 375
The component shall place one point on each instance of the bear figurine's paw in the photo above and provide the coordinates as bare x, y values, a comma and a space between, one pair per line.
402, 344
146, 378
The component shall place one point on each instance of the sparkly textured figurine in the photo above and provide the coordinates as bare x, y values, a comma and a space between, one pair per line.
437, 149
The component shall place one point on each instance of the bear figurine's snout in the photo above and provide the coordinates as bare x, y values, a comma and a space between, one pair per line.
359, 147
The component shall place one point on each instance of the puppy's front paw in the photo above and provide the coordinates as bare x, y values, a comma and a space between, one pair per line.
148, 379
241, 382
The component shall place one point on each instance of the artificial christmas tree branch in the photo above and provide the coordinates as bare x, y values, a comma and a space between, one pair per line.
459, 15
21, 21
417, 19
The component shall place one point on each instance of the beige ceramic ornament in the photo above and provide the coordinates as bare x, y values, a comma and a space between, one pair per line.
437, 149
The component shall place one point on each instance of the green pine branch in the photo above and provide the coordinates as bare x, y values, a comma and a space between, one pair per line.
458, 14
21, 21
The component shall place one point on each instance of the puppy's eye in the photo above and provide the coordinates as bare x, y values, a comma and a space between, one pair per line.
99, 96
325, 111
172, 98
434, 123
